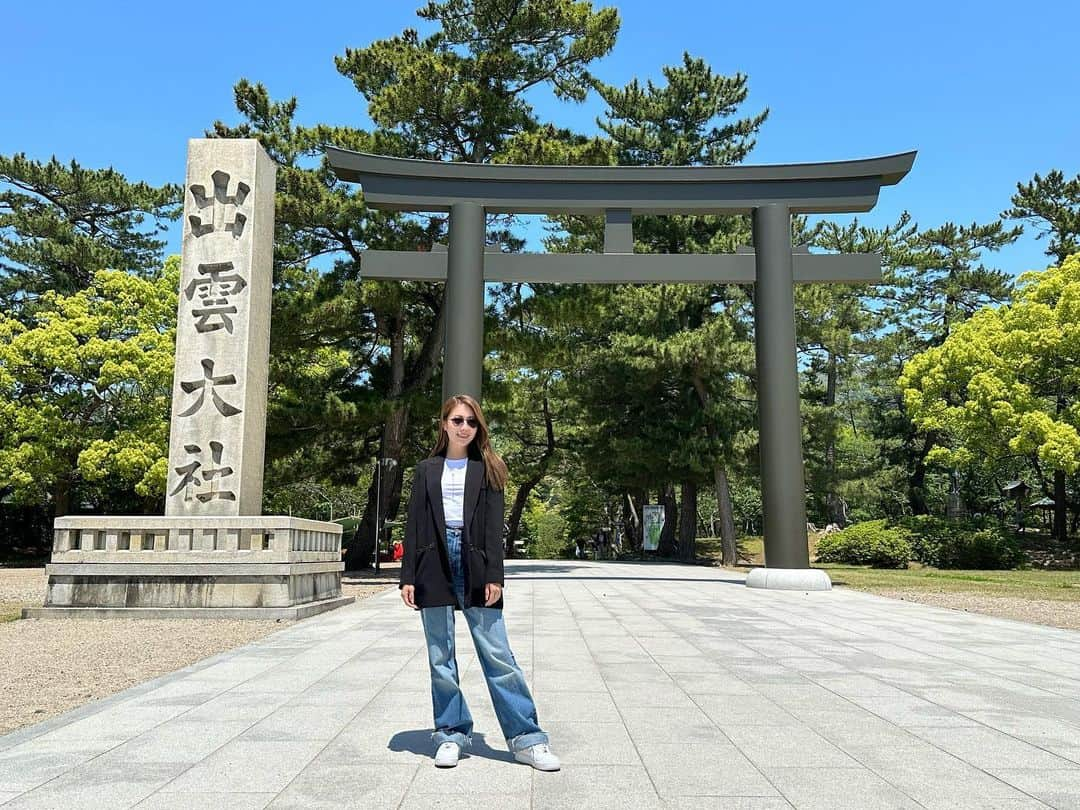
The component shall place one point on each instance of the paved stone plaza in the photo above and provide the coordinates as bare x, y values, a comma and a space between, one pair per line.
661, 686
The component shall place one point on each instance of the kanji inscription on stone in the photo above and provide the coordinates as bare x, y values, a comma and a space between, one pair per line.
215, 287
200, 481
219, 210
209, 383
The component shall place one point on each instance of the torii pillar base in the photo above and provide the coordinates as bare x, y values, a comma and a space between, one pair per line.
789, 579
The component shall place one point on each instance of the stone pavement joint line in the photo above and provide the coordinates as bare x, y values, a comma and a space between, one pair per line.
662, 686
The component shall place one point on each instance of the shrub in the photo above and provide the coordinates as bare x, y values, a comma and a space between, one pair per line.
988, 548
870, 543
962, 544
928, 535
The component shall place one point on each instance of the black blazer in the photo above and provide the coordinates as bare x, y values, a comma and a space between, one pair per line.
426, 561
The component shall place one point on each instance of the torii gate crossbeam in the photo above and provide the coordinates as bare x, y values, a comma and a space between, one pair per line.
771, 194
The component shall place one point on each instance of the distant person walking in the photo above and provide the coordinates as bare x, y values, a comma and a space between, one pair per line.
454, 561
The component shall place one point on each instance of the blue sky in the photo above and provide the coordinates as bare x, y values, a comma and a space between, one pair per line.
986, 92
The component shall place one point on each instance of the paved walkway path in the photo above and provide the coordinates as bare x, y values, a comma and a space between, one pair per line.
661, 686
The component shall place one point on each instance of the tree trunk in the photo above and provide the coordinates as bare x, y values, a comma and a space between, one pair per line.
516, 510
668, 545
385, 493
631, 521
728, 545
688, 523
917, 479
61, 497
1060, 508
834, 504
729, 549
522, 496
360, 553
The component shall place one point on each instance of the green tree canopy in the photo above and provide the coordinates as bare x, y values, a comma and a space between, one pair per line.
1052, 204
85, 391
664, 378
1007, 382
460, 93
60, 224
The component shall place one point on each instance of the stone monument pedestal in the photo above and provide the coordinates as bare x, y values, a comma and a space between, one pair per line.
252, 567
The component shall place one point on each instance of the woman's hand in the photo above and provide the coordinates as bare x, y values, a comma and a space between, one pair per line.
492, 594
408, 595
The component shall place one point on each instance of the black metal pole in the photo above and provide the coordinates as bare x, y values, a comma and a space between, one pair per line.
378, 509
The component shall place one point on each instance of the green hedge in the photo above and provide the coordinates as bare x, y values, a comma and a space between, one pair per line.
871, 543
962, 544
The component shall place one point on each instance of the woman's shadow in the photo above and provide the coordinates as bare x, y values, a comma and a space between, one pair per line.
418, 741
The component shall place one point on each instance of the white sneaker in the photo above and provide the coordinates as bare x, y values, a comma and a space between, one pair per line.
447, 755
539, 756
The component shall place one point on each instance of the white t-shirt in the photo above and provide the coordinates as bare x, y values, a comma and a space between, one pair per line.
453, 490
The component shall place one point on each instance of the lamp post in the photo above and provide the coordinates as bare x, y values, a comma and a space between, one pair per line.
389, 463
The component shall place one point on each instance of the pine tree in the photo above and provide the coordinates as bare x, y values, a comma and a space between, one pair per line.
60, 224
459, 94
690, 347
1052, 204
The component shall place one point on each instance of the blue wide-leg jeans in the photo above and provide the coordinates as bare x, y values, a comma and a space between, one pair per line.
510, 697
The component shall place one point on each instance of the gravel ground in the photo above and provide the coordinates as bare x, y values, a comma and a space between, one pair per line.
50, 666
1052, 612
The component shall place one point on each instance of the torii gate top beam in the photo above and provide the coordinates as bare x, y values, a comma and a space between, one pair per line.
399, 184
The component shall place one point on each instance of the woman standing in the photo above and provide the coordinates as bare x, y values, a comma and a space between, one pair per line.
454, 561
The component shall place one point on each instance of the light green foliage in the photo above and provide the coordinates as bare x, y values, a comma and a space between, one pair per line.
85, 388
870, 543
1007, 380
548, 530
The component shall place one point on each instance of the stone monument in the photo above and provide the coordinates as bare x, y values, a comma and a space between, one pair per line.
213, 553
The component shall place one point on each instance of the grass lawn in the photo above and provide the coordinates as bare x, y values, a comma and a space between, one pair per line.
1062, 586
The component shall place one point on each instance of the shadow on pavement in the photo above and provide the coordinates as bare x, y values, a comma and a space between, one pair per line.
533, 571
419, 742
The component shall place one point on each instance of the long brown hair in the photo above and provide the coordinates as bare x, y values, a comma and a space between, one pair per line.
480, 446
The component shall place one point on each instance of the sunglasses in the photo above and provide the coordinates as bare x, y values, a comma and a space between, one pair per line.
458, 420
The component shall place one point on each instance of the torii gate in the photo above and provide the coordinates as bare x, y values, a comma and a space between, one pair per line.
771, 194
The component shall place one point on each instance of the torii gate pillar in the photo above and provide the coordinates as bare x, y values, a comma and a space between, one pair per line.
783, 493
463, 357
